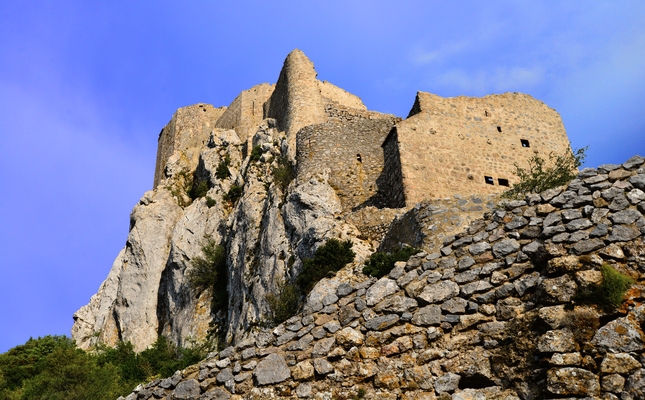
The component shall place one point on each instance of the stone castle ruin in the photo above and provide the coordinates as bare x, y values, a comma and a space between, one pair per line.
445, 147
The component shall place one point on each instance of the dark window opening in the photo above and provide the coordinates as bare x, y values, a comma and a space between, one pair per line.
486, 114
499, 129
489, 180
503, 182
476, 381
525, 143
358, 158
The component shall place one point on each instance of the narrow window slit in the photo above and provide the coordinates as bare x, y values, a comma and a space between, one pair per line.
489, 180
499, 129
525, 143
503, 182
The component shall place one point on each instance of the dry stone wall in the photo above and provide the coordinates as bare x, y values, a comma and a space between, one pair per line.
492, 315
466, 145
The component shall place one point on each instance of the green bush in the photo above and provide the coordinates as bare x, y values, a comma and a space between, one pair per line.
210, 202
284, 173
327, 260
541, 174
256, 153
199, 190
284, 304
610, 293
222, 172
233, 194
208, 271
614, 286
380, 264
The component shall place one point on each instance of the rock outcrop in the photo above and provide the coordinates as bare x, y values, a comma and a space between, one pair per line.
491, 313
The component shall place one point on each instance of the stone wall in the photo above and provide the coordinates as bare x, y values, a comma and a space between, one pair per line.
188, 129
247, 111
491, 315
351, 151
452, 145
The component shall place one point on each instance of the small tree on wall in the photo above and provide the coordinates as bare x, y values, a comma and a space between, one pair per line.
543, 174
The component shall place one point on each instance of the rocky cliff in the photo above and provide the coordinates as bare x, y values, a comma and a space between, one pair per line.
489, 309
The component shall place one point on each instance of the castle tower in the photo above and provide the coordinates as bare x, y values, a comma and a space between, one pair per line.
296, 101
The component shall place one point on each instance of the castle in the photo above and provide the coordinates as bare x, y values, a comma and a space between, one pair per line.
445, 147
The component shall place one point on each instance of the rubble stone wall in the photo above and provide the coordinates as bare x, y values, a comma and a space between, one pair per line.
494, 314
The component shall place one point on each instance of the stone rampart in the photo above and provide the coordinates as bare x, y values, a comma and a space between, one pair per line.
247, 111
492, 315
188, 129
351, 151
466, 145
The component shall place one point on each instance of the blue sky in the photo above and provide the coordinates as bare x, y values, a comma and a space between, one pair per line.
85, 88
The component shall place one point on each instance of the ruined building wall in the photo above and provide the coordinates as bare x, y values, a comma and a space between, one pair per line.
336, 145
340, 96
448, 146
188, 129
246, 112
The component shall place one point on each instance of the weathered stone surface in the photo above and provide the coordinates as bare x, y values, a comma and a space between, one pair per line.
636, 384
270, 370
613, 383
439, 292
587, 246
396, 304
553, 316
447, 383
382, 288
429, 315
215, 394
186, 390
302, 371
559, 290
621, 335
619, 363
348, 337
560, 341
572, 381
322, 366
505, 247
381, 323
623, 233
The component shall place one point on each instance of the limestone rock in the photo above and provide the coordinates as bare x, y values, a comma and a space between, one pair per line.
572, 381
270, 370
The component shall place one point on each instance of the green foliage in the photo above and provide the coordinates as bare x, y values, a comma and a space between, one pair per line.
199, 190
52, 367
328, 258
613, 287
181, 187
256, 153
208, 271
542, 174
233, 194
210, 202
284, 304
610, 293
380, 264
222, 172
284, 173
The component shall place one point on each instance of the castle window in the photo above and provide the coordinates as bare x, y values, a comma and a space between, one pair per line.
489, 180
359, 158
499, 129
486, 114
525, 143
503, 182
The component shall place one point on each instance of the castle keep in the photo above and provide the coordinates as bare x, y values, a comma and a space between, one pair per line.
445, 147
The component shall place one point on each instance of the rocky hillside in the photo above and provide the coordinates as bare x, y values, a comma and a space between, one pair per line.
509, 308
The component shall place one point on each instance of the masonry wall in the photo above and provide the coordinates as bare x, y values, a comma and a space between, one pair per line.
340, 96
246, 112
448, 146
337, 145
189, 127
